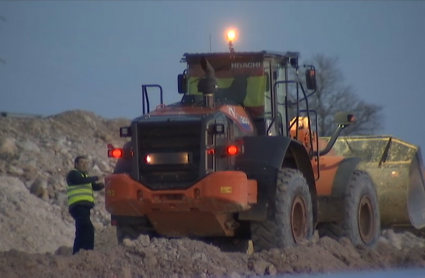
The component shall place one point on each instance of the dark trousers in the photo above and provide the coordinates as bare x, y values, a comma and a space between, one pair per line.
84, 230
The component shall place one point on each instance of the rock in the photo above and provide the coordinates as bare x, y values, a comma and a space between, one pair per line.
15, 171
144, 240
199, 256
58, 184
316, 237
29, 146
64, 250
7, 146
39, 188
258, 266
151, 260
97, 226
59, 144
30, 171
394, 239
2, 166
384, 240
129, 243
64, 150
50, 191
126, 272
234, 275
270, 270
107, 138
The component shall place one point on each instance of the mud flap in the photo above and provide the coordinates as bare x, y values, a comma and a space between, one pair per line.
263, 157
397, 171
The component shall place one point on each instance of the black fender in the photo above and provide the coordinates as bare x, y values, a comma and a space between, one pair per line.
297, 157
331, 207
343, 175
263, 156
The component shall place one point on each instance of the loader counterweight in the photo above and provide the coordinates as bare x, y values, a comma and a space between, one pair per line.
204, 209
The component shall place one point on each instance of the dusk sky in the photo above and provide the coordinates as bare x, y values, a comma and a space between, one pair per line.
63, 55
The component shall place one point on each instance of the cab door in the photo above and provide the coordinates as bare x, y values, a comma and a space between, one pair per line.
280, 74
271, 128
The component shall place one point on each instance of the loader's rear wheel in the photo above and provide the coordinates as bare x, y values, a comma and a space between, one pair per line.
361, 218
293, 221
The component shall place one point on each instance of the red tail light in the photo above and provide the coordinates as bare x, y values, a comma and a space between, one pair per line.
119, 152
232, 150
115, 153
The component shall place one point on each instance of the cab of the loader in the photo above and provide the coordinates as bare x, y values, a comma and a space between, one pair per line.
258, 81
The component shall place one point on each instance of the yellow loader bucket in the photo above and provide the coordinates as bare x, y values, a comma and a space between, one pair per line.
397, 170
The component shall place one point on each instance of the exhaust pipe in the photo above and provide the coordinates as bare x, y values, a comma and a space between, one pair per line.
208, 84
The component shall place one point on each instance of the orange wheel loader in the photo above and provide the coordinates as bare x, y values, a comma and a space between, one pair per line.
237, 160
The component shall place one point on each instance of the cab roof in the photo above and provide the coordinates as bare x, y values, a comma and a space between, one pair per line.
258, 55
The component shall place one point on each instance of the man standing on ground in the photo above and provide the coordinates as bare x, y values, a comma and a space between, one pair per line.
81, 201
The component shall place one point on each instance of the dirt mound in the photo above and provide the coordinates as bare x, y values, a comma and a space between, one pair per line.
40, 152
28, 223
37, 230
146, 257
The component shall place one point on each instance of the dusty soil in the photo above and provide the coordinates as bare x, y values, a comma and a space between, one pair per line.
37, 231
190, 258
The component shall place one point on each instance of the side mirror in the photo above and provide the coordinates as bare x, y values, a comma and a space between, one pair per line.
344, 118
182, 83
310, 79
293, 62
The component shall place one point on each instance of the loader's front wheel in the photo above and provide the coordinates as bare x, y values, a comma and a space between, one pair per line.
361, 218
293, 221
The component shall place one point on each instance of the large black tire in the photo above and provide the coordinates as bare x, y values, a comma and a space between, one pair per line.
293, 221
361, 219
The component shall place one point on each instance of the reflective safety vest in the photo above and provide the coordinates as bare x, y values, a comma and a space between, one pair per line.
80, 192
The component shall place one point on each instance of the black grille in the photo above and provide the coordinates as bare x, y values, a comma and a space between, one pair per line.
170, 137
